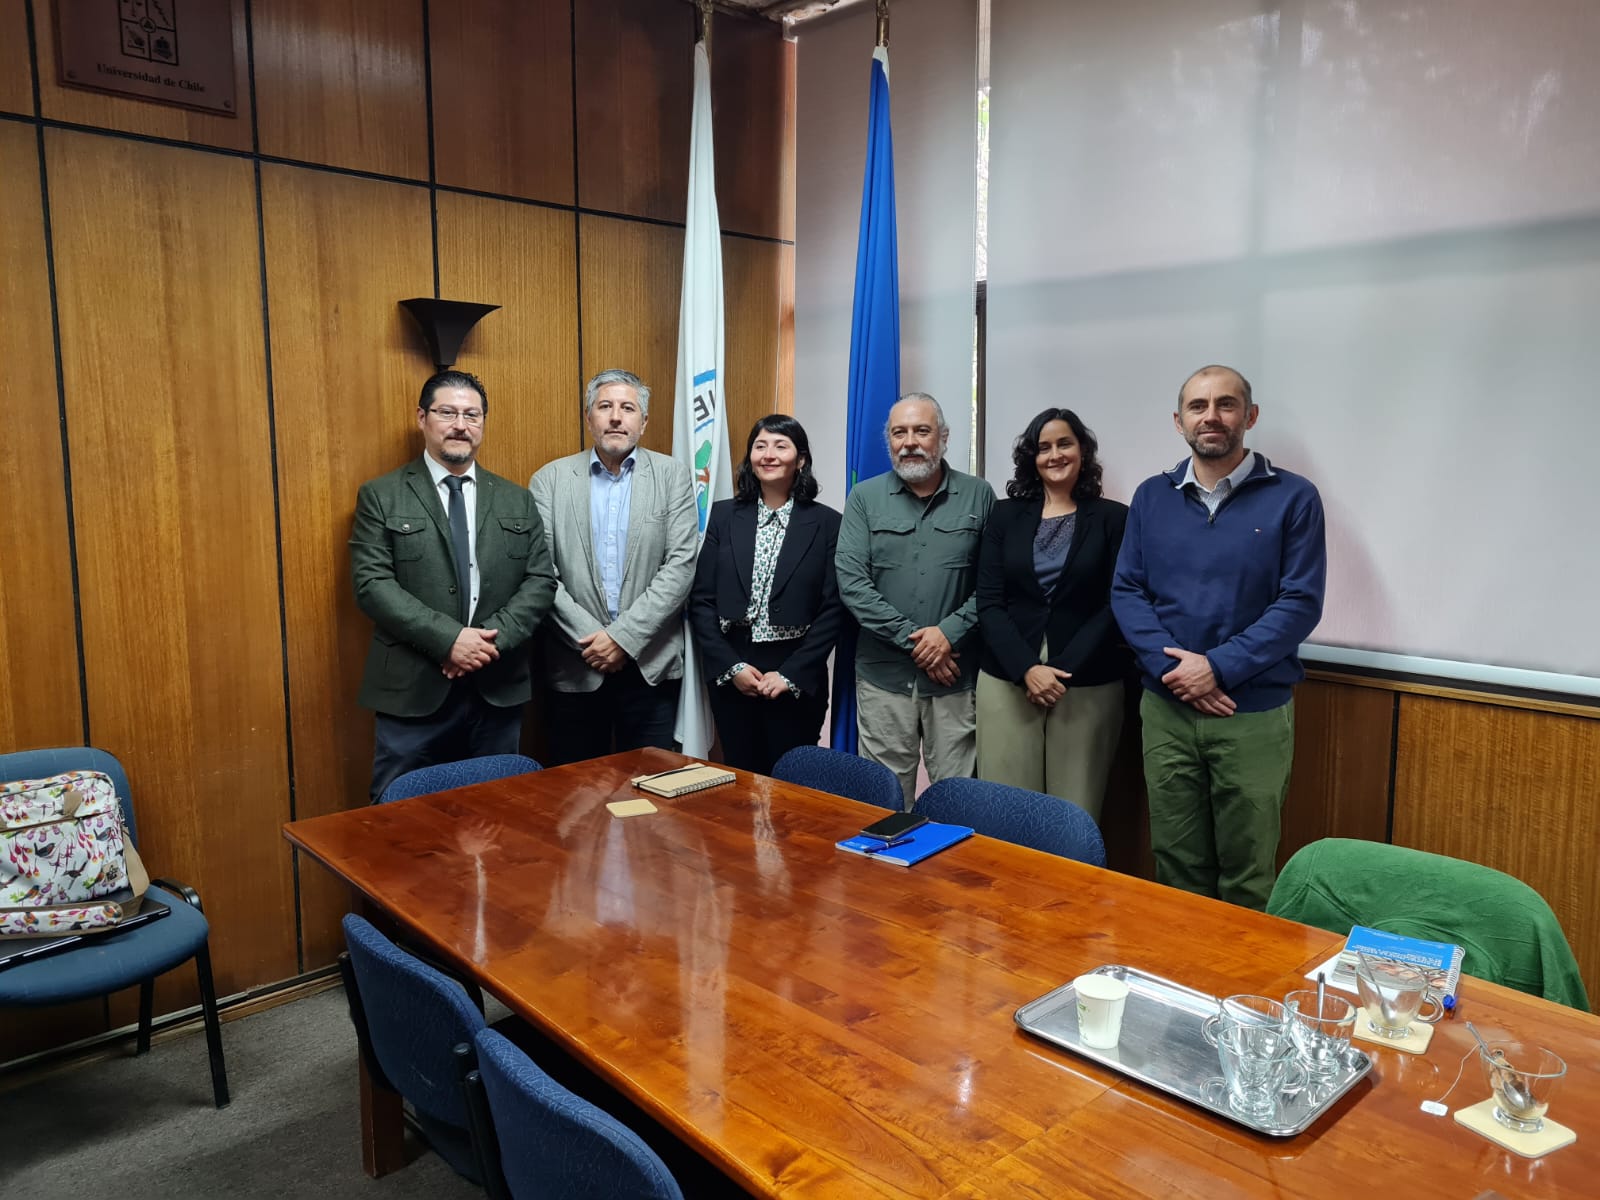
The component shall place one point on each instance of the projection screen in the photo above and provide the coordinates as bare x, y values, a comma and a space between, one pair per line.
1387, 215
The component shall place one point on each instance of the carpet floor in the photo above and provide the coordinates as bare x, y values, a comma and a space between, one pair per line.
143, 1128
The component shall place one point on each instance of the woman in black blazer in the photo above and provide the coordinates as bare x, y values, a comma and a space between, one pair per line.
1050, 691
765, 606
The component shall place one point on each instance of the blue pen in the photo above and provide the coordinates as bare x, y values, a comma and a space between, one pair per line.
905, 841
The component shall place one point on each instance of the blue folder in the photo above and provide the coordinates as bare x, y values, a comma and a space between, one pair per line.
922, 842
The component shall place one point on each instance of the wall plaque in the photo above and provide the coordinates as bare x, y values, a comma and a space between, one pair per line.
171, 51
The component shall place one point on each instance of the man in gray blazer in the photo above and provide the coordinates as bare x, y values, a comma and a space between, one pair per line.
622, 529
451, 564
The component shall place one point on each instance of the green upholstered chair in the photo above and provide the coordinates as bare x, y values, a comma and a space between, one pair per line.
1507, 930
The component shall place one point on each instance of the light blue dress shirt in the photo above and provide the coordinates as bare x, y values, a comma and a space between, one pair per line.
610, 498
1214, 498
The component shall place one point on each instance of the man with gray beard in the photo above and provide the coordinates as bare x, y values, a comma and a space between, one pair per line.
907, 566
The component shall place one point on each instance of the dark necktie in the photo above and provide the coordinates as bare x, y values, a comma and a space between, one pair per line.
460, 545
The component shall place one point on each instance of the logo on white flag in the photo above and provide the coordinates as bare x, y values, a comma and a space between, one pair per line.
704, 423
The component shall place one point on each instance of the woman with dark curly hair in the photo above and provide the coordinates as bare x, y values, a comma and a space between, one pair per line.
765, 605
1050, 692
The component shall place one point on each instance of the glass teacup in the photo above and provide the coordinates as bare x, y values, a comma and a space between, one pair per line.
1259, 1066
1392, 995
1244, 1011
1523, 1077
1322, 1034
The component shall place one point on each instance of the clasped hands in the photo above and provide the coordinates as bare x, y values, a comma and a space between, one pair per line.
473, 648
1194, 682
932, 654
1045, 684
752, 683
601, 652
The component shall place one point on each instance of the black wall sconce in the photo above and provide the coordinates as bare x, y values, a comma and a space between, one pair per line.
446, 323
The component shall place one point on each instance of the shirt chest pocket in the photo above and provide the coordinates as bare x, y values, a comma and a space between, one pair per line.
891, 543
895, 530
516, 533
955, 540
406, 536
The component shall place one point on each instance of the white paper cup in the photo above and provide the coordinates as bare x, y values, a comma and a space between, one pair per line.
1101, 1000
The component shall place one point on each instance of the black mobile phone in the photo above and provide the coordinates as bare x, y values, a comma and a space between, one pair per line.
894, 825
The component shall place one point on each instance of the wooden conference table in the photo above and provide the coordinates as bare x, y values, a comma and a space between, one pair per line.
822, 1025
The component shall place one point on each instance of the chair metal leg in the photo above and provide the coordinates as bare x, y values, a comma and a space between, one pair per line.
485, 1143
208, 1006
147, 995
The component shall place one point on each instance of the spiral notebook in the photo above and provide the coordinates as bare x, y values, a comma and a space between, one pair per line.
1439, 961
680, 781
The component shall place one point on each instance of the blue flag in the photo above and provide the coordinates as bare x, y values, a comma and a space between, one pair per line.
874, 352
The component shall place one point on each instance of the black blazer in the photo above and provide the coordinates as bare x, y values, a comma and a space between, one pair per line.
1016, 616
804, 589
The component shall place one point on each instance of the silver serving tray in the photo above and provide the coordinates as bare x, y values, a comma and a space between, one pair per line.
1162, 1045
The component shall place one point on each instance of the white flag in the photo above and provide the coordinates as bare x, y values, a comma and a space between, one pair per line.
699, 411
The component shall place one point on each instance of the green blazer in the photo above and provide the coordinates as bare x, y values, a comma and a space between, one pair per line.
405, 580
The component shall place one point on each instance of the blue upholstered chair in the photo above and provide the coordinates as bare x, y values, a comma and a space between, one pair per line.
409, 1018
1507, 930
109, 962
444, 776
842, 774
1016, 815
551, 1142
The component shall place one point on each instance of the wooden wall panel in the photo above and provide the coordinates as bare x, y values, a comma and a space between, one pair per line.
143, 116
1513, 790
786, 328
635, 73
632, 276
752, 97
522, 258
38, 636
349, 362
28, 1031
751, 274
160, 301
1340, 784
502, 97
16, 71
341, 82
183, 530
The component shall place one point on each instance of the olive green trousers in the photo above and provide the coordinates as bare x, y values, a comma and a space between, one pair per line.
1216, 787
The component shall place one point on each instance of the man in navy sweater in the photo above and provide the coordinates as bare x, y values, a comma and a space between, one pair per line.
1218, 582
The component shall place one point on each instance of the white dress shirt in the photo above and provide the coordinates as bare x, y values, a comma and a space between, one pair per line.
469, 496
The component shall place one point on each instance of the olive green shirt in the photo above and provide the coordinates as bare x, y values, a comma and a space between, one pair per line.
905, 563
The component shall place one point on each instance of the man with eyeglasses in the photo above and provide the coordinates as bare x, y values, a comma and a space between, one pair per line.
623, 532
450, 562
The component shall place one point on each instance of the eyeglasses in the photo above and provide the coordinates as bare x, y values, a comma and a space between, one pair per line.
471, 416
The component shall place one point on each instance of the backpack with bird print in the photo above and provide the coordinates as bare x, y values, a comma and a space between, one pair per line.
66, 862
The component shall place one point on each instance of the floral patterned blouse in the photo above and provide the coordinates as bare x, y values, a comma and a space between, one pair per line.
771, 525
